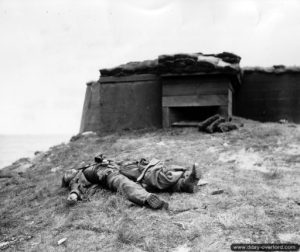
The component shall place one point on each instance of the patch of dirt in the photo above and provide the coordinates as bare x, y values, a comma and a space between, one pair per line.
246, 160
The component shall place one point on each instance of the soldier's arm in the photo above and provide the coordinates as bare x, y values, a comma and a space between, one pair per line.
75, 187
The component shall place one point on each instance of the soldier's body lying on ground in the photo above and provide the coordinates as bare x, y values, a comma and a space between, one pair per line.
216, 123
136, 180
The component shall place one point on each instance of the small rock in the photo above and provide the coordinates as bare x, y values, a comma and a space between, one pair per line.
55, 169
61, 241
28, 237
202, 182
220, 191
225, 144
181, 225
4, 245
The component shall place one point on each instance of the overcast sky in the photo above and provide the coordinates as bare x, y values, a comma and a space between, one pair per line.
50, 49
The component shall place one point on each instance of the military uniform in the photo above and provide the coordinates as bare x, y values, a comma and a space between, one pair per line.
134, 179
154, 175
216, 123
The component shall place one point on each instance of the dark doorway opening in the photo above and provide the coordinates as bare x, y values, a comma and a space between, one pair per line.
191, 116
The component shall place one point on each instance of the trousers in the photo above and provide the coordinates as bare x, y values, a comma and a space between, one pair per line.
131, 190
154, 177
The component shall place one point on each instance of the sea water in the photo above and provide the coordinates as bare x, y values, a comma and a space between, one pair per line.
13, 147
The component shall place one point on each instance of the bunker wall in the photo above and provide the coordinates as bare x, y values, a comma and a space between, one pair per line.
90, 119
269, 96
131, 102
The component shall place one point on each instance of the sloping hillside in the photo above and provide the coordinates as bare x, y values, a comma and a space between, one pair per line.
252, 194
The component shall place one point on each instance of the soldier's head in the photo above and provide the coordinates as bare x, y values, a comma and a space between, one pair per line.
68, 176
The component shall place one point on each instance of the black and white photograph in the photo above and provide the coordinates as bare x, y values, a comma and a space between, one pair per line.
150, 126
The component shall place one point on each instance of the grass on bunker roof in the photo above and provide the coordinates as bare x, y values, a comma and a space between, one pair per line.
256, 166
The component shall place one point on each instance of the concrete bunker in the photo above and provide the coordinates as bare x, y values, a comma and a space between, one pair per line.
129, 102
269, 94
189, 116
191, 98
183, 89
156, 93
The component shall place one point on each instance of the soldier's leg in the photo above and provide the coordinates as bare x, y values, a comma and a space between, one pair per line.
133, 191
207, 122
213, 127
157, 178
188, 183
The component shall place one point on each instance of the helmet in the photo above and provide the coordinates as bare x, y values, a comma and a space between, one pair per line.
68, 176
99, 158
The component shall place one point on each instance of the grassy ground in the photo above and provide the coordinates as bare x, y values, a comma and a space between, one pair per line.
257, 167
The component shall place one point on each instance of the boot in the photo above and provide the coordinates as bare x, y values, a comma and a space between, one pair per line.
154, 202
213, 127
226, 126
207, 122
72, 199
189, 182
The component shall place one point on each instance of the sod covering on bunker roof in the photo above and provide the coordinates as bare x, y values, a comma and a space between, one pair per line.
179, 63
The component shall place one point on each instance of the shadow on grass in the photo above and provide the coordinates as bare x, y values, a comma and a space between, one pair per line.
274, 173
